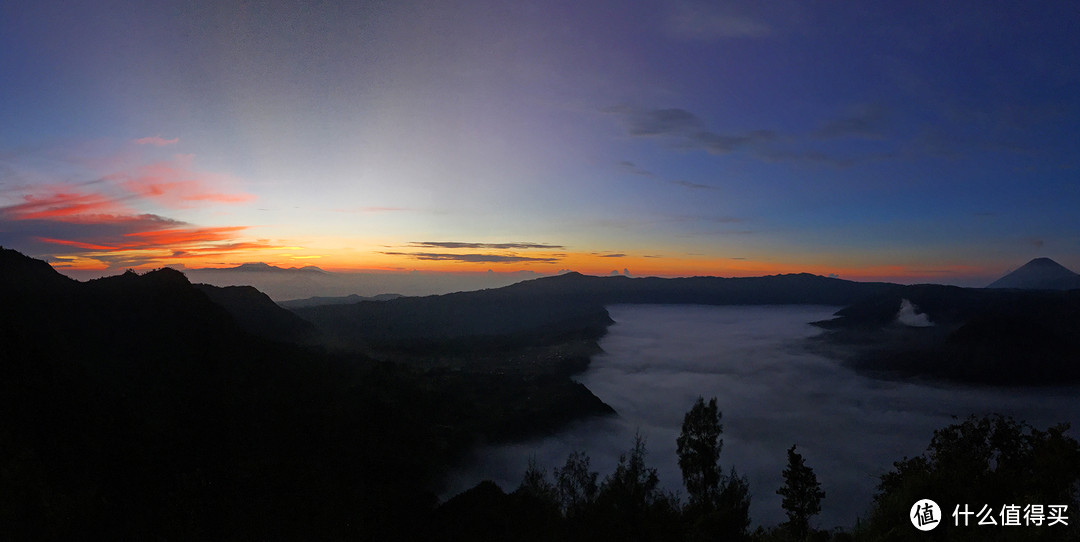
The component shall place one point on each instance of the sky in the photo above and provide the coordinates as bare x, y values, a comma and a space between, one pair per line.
902, 141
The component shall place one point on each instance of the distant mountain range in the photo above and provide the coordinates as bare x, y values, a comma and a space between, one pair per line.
262, 267
315, 301
1039, 274
553, 309
296, 283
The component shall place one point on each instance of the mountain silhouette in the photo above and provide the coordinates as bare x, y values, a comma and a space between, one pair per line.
1039, 274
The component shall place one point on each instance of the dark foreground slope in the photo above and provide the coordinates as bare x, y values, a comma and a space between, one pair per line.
1007, 337
135, 407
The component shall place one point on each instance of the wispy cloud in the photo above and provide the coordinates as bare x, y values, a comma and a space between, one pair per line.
76, 244
175, 183
65, 204
805, 157
865, 121
682, 129
695, 186
475, 258
498, 246
634, 169
708, 21
372, 209
156, 141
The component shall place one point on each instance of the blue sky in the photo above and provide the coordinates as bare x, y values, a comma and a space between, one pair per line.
900, 141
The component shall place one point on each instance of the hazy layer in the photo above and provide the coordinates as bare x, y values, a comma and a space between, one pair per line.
773, 393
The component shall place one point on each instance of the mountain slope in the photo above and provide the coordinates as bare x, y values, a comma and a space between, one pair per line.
316, 301
977, 335
1039, 274
257, 314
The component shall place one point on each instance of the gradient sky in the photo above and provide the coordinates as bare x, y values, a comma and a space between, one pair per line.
905, 141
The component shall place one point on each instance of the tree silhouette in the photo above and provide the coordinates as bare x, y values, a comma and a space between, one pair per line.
633, 487
802, 495
698, 447
631, 505
576, 484
535, 484
719, 505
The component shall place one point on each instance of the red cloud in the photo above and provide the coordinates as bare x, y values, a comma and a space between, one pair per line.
68, 206
156, 141
175, 184
160, 247
183, 236
102, 221
76, 244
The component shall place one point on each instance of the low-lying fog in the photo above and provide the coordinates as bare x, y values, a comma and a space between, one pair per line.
773, 393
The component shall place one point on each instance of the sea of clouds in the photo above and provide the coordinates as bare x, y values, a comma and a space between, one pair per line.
773, 392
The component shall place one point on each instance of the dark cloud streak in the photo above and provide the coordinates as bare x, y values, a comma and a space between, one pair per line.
634, 169
865, 121
498, 246
683, 129
475, 258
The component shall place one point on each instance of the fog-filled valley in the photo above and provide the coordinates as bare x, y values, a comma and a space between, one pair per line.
774, 390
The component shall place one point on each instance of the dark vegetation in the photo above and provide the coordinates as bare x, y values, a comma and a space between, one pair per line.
991, 336
628, 504
993, 461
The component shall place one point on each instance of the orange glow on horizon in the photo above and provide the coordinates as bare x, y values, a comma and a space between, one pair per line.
233, 254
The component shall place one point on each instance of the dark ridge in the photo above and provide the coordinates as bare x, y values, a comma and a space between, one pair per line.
315, 301
554, 309
19, 274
